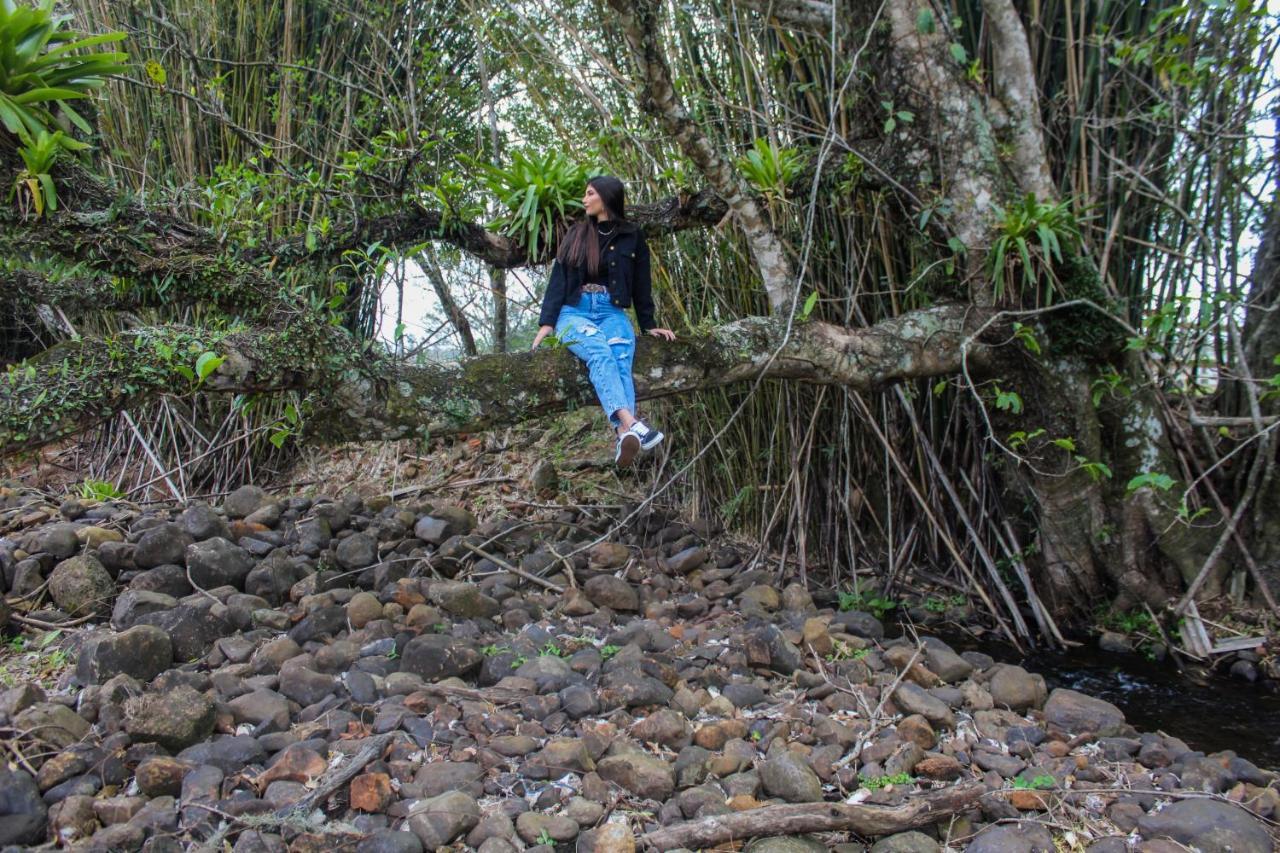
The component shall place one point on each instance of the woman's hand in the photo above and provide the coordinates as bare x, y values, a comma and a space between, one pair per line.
665, 334
543, 331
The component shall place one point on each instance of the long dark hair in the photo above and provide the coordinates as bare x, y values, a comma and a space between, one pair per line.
580, 246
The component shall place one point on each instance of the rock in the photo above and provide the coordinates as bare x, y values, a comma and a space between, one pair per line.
56, 725
260, 706
463, 600
786, 844
1014, 688
305, 686
558, 757
940, 768
22, 812
371, 792
390, 841
1016, 838
243, 501
906, 842
162, 545
94, 538
1075, 712
543, 477
203, 522
643, 775
608, 555
80, 586
272, 579
532, 826
72, 819
612, 838
175, 719
161, 775
431, 530
438, 777
943, 662
362, 609
228, 754
437, 656
319, 622
294, 763
759, 600
439, 820
57, 540
1211, 826
790, 778
859, 624
133, 604
191, 630
216, 562
914, 699
612, 592
687, 560
357, 551
142, 652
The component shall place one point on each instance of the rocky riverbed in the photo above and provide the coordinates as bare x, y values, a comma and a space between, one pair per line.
290, 673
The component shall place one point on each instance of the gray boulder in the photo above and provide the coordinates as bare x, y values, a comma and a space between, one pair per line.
141, 652
437, 656
1075, 712
162, 544
175, 719
22, 812
216, 562
1210, 826
81, 586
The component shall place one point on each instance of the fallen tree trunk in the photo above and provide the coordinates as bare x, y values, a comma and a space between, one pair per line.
802, 818
359, 396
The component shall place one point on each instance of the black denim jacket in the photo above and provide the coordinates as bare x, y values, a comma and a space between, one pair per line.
626, 258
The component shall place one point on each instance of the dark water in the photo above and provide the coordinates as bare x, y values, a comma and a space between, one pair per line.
1209, 712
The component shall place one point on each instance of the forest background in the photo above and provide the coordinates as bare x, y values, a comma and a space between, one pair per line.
987, 289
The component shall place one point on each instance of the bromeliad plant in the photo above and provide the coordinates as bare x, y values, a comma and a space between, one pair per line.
42, 68
35, 182
1033, 235
539, 192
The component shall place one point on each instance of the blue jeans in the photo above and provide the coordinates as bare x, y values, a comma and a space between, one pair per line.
599, 333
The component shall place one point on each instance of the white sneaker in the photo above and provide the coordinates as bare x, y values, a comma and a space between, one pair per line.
649, 437
628, 447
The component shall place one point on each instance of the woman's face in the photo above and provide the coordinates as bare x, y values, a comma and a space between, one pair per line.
591, 202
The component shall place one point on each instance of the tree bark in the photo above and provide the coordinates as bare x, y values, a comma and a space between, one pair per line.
358, 396
800, 818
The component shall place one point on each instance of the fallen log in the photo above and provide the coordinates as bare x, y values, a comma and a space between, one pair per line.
802, 818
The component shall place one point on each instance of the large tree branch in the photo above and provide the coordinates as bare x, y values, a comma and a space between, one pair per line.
358, 396
658, 97
1015, 82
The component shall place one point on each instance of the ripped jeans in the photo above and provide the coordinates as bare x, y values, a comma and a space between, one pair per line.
599, 333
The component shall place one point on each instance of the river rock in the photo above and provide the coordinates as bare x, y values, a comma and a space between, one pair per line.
142, 652
643, 775
859, 624
57, 540
216, 562
1013, 687
906, 842
1211, 826
56, 725
133, 604
790, 778
532, 826
943, 662
1016, 838
357, 551
243, 501
437, 656
191, 630
203, 522
230, 754
390, 841
687, 560
305, 686
914, 699
612, 592
80, 586
1075, 712
22, 812
162, 545
463, 600
439, 820
175, 720
786, 844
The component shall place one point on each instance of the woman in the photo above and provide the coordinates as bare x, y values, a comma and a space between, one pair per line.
601, 268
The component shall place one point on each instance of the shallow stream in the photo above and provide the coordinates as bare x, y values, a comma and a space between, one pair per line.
1209, 712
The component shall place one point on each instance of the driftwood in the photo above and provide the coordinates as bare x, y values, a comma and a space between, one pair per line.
801, 818
336, 777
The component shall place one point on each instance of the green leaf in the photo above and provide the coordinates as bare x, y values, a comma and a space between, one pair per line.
1068, 444
1149, 480
925, 23
207, 363
958, 53
810, 301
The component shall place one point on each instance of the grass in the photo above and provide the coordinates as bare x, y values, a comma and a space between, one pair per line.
39, 661
877, 782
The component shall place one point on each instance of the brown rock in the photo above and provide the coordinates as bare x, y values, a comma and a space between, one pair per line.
296, 763
916, 728
161, 776
371, 792
940, 768
1027, 800
714, 736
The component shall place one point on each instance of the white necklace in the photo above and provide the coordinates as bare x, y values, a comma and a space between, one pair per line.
604, 233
